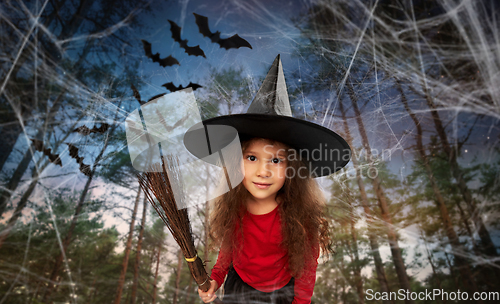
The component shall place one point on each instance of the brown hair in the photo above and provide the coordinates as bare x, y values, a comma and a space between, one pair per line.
304, 226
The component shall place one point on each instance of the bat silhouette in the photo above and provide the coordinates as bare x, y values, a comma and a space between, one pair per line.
176, 35
86, 131
167, 61
234, 41
172, 88
53, 158
73, 152
137, 95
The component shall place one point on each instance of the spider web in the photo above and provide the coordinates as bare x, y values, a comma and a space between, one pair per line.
349, 66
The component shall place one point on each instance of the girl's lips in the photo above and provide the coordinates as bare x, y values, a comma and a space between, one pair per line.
261, 185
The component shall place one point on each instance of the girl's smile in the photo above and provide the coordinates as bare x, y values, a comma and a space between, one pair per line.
261, 185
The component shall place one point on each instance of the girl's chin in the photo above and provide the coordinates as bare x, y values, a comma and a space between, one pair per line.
262, 196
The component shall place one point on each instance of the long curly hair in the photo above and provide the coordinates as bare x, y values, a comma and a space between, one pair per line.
305, 228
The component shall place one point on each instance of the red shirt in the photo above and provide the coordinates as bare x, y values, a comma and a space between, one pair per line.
261, 262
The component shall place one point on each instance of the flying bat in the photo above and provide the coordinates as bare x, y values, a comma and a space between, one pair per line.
53, 158
167, 61
234, 41
73, 152
172, 88
176, 35
136, 94
86, 131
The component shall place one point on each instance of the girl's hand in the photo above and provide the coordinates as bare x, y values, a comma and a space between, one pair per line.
209, 296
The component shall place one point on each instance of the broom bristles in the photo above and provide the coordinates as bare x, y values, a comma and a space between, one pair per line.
157, 185
159, 192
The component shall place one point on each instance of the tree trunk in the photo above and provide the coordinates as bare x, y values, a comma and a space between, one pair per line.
465, 221
462, 264
20, 206
155, 288
178, 277
92, 290
6, 193
344, 287
488, 245
68, 29
336, 290
128, 246
397, 256
34, 180
66, 242
74, 220
379, 266
79, 207
429, 257
452, 271
357, 268
10, 133
127, 299
35, 294
458, 250
138, 251
190, 287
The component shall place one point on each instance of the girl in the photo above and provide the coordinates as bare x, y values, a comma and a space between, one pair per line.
271, 227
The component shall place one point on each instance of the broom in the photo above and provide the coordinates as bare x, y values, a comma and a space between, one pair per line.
159, 192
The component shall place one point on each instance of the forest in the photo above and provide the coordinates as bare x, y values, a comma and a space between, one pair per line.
412, 85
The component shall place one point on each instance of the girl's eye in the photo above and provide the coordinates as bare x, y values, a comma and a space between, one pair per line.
276, 160
251, 158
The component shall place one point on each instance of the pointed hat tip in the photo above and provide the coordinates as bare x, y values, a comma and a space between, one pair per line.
272, 97
277, 60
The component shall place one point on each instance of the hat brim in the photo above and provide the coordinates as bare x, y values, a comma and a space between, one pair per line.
324, 150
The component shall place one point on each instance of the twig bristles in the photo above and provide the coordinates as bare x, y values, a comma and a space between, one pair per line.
158, 186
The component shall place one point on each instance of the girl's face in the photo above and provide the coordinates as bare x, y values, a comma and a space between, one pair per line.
265, 167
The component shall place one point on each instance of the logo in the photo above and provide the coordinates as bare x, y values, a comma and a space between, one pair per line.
157, 131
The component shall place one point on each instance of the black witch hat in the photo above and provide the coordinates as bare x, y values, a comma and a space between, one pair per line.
269, 116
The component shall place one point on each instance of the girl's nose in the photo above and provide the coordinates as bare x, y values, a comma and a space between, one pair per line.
263, 170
